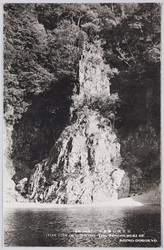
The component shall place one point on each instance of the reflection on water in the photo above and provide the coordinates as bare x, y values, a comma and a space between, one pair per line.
83, 227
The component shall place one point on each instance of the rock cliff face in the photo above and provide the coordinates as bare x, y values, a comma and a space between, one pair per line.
93, 73
9, 192
83, 166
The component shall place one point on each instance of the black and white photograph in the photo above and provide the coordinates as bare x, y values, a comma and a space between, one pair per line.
82, 124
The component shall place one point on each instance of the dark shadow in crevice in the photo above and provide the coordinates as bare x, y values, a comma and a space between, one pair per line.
39, 128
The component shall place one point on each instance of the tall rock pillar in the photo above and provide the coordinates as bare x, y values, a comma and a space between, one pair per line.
83, 166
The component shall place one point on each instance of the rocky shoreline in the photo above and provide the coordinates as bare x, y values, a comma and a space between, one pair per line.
152, 197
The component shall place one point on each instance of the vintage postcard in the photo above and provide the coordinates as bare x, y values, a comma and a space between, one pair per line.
81, 131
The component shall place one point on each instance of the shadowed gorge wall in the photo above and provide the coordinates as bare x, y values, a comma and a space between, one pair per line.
39, 127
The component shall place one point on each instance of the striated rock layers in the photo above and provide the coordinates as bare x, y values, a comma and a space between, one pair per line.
83, 165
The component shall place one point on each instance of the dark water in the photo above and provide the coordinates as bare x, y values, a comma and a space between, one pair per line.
83, 227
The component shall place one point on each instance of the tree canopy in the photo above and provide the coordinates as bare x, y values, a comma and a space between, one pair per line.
43, 43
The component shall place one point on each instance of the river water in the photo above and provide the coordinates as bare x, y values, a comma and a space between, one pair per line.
83, 226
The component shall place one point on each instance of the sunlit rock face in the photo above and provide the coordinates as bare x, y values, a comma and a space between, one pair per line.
93, 73
83, 165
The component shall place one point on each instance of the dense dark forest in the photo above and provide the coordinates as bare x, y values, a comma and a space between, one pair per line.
43, 44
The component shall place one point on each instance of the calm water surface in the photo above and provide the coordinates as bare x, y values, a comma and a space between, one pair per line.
83, 227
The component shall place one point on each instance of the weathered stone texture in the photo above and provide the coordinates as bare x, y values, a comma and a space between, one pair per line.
83, 166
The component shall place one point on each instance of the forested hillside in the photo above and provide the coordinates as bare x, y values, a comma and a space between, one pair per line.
43, 44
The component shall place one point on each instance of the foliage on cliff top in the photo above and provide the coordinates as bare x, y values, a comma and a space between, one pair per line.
44, 42
42, 48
